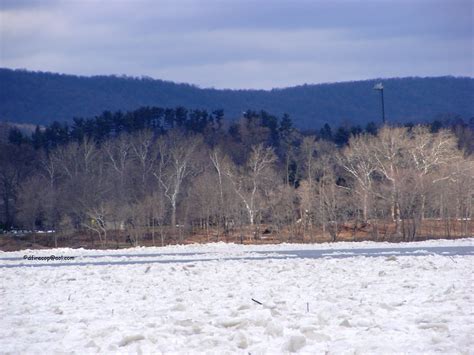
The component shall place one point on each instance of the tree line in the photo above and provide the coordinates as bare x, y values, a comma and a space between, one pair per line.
211, 124
163, 174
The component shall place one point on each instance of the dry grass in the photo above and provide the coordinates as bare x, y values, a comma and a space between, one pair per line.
263, 234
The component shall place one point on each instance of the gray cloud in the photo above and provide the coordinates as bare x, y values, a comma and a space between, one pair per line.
24, 4
240, 44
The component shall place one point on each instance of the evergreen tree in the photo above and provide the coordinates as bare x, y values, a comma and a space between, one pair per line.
371, 128
326, 132
286, 124
356, 130
218, 117
15, 136
37, 138
342, 136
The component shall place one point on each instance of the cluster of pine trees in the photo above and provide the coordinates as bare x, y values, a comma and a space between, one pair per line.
163, 174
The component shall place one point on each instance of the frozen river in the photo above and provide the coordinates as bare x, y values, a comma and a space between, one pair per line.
107, 258
226, 298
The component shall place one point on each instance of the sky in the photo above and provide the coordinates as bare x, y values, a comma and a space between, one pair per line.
240, 44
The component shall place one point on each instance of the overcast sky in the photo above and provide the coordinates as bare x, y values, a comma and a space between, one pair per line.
240, 43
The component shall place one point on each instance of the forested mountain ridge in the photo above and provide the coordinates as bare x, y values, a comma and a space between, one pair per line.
41, 98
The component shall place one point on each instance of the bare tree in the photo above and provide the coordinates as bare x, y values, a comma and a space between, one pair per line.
155, 209
390, 156
175, 164
324, 176
75, 158
308, 152
142, 148
14, 168
429, 153
357, 161
221, 162
119, 151
248, 181
306, 190
283, 211
96, 221
30, 201
453, 198
335, 204
205, 201
49, 168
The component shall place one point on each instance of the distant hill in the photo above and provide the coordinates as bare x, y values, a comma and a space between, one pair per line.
40, 98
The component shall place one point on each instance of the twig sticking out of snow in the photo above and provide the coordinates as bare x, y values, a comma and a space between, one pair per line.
257, 302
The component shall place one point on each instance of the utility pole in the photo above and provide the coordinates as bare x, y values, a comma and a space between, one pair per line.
379, 87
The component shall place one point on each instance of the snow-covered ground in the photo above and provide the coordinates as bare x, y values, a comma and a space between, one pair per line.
232, 249
358, 304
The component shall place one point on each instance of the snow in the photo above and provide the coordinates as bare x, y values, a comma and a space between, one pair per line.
358, 304
223, 249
